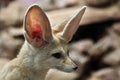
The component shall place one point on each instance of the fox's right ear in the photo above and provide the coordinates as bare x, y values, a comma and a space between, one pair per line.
37, 27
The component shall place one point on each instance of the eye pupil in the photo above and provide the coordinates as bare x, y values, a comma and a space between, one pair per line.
57, 55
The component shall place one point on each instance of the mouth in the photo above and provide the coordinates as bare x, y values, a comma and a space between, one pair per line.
68, 70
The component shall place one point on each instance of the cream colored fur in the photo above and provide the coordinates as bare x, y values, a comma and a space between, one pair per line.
40, 52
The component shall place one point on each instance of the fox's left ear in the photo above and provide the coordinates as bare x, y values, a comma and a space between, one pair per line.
37, 27
68, 27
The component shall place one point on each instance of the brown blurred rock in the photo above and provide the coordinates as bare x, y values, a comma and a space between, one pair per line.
82, 46
49, 4
9, 44
4, 3
112, 58
101, 47
11, 15
99, 3
15, 31
116, 27
115, 36
119, 71
109, 43
105, 74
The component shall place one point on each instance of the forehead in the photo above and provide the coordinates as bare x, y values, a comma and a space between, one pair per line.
58, 46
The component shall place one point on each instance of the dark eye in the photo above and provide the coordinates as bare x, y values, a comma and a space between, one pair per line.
57, 55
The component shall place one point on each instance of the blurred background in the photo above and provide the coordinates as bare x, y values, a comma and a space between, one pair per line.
95, 47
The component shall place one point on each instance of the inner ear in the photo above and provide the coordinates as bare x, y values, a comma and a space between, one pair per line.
37, 26
33, 26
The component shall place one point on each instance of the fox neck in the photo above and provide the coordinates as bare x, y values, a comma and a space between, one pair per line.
29, 58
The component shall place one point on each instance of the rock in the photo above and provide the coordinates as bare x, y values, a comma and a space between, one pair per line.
15, 31
101, 47
82, 46
49, 4
107, 44
115, 36
119, 71
105, 74
11, 15
4, 3
99, 3
116, 27
9, 44
113, 58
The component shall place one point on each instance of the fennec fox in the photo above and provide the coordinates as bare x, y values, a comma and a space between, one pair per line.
45, 47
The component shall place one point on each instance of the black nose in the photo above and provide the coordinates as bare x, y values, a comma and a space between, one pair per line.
75, 68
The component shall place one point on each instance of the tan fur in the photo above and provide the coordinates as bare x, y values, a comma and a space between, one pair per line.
36, 56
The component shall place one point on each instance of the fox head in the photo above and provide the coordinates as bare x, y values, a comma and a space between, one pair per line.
48, 43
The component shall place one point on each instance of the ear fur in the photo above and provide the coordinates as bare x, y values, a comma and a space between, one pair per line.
68, 27
37, 27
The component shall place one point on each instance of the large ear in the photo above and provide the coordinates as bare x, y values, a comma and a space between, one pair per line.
37, 27
68, 27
